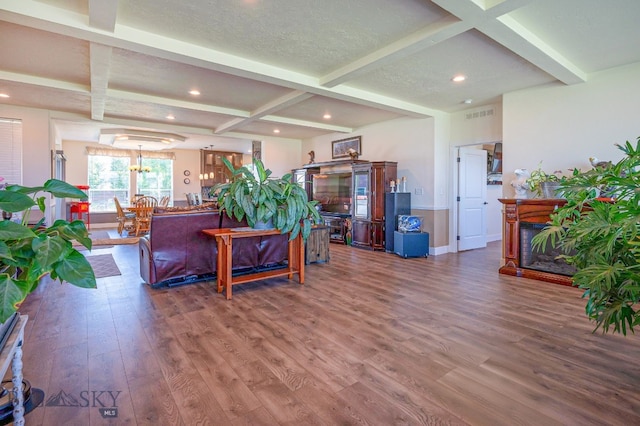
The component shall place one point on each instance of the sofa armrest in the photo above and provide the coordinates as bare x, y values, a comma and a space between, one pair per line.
146, 263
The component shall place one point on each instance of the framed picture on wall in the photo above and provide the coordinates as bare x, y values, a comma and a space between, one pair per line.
340, 148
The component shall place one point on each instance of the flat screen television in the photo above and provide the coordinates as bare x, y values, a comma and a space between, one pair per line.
333, 192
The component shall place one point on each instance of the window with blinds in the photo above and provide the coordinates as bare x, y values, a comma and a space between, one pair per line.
10, 151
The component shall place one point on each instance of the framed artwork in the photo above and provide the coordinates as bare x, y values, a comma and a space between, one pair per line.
340, 148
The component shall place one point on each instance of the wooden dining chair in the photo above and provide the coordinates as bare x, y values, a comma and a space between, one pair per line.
126, 221
164, 201
144, 211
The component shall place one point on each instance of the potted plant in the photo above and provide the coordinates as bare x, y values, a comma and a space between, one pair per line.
260, 199
601, 237
543, 184
28, 252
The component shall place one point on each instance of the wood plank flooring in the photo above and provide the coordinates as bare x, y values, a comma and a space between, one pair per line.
369, 339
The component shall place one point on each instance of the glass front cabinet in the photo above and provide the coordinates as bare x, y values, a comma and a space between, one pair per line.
370, 182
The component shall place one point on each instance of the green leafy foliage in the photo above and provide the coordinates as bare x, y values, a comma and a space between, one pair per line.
539, 176
260, 198
598, 230
28, 252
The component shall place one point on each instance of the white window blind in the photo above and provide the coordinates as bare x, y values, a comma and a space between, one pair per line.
10, 151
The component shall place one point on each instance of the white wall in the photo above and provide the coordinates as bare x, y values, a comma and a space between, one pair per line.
36, 150
473, 128
281, 155
477, 125
563, 126
494, 213
36, 144
410, 142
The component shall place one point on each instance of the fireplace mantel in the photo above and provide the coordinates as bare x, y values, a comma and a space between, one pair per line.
515, 212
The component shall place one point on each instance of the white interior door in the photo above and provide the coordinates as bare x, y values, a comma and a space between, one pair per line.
472, 198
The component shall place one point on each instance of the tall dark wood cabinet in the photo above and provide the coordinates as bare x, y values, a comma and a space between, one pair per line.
371, 181
304, 178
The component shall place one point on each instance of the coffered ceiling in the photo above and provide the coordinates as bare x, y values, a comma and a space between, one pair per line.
263, 66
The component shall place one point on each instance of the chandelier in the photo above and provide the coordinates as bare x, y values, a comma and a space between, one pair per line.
139, 167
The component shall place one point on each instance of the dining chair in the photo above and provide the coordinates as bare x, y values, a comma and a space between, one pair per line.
122, 218
191, 199
144, 211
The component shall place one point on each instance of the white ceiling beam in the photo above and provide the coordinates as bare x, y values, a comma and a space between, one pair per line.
491, 18
304, 123
139, 97
232, 124
100, 65
45, 82
419, 40
38, 15
102, 14
428, 36
282, 102
512, 35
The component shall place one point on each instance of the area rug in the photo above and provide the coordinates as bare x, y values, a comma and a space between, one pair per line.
114, 241
103, 239
103, 265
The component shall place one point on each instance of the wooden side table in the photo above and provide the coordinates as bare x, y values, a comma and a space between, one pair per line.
12, 354
225, 236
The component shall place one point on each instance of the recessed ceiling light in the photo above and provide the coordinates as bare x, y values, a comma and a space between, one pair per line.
4, 95
458, 78
467, 101
276, 130
171, 117
326, 116
194, 92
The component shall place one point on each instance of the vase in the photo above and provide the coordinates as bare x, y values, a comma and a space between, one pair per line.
549, 189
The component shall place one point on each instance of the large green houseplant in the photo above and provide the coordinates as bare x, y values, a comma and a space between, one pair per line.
28, 252
598, 230
260, 198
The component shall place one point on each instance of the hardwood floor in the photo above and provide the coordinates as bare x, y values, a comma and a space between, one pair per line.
371, 338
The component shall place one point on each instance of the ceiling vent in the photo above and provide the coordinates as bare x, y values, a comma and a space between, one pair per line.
132, 138
479, 114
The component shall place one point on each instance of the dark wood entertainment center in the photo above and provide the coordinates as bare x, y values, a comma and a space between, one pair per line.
519, 214
353, 201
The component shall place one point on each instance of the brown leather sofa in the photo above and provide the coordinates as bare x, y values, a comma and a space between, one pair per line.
177, 252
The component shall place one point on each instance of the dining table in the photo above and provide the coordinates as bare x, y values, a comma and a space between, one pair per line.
140, 212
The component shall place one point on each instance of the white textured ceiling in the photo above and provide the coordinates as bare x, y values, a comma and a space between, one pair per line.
263, 65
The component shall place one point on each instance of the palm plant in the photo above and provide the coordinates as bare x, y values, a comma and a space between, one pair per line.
260, 198
601, 237
28, 252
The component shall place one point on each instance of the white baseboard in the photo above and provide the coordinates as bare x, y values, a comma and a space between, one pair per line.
494, 237
435, 251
